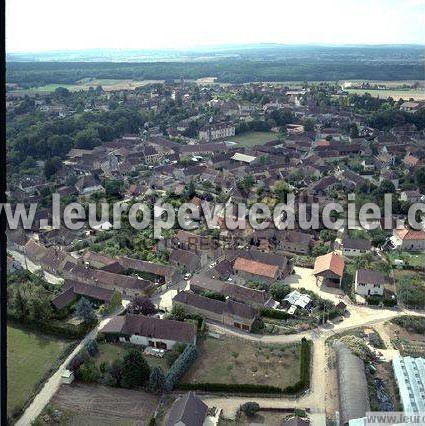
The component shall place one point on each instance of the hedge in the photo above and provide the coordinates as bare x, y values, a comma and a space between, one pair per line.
305, 361
229, 387
55, 327
274, 313
180, 366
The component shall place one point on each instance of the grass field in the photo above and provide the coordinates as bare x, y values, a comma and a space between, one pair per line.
253, 138
395, 94
235, 361
108, 352
409, 258
85, 84
29, 357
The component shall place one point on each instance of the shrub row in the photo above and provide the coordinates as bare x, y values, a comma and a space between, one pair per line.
181, 365
229, 387
274, 313
305, 360
55, 327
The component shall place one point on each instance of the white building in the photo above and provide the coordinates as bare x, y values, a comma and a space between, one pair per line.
408, 239
410, 375
217, 131
149, 331
369, 283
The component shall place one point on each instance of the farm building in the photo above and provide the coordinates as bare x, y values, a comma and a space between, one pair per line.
329, 270
410, 375
353, 393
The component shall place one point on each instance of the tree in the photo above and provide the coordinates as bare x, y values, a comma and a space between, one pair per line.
84, 310
141, 305
40, 310
51, 166
20, 306
178, 312
250, 408
279, 291
156, 381
135, 370
115, 302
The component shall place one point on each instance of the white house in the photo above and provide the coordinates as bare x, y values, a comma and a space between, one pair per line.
408, 239
149, 331
355, 246
369, 283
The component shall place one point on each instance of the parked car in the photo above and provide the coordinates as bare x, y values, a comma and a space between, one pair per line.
187, 276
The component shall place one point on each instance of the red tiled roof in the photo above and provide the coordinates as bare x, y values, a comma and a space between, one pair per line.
409, 234
331, 262
253, 267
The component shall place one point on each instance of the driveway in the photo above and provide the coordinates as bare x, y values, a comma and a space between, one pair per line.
304, 278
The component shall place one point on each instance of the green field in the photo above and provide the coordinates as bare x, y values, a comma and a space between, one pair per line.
253, 138
84, 84
29, 358
415, 259
418, 94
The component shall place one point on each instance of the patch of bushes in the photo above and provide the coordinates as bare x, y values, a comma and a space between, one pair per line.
274, 313
410, 323
181, 365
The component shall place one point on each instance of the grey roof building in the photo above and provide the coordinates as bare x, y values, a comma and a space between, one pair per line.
188, 410
353, 392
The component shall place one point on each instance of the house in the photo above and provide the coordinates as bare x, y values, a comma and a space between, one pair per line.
88, 185
251, 270
368, 283
271, 265
50, 259
244, 158
250, 296
150, 270
101, 261
230, 313
295, 241
185, 260
411, 106
187, 410
149, 331
127, 286
216, 131
413, 196
294, 129
72, 290
408, 239
329, 270
355, 246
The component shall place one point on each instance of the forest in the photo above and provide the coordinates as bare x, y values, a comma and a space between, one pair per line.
305, 63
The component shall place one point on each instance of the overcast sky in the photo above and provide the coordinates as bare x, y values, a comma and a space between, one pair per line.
35, 25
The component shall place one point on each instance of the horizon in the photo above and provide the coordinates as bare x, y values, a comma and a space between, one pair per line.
218, 47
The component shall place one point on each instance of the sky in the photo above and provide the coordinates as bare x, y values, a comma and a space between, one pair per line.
40, 25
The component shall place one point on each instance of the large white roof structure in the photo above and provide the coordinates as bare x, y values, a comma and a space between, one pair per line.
410, 376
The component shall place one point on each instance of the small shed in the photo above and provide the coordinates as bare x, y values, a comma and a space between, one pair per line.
67, 377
